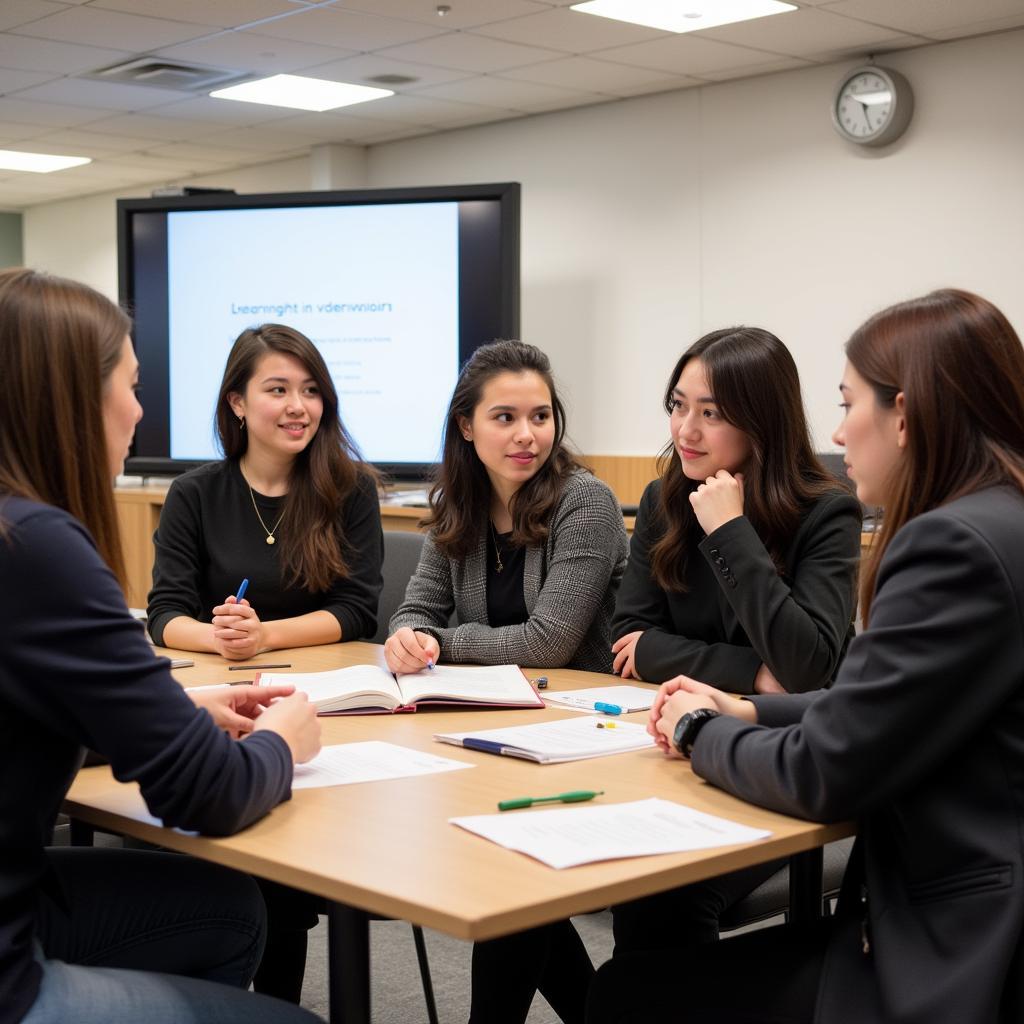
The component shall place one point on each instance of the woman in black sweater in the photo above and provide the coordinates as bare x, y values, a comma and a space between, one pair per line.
291, 508
80, 929
742, 567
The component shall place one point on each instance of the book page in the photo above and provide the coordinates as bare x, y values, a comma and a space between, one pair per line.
563, 837
342, 687
370, 761
492, 684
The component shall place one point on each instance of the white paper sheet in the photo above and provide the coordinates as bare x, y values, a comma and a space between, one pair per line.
629, 698
371, 761
567, 836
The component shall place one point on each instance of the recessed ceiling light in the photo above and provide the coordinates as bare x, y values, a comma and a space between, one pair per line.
301, 93
39, 163
683, 15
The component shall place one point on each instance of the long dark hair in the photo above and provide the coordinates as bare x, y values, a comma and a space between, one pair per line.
756, 388
960, 366
323, 475
59, 343
461, 495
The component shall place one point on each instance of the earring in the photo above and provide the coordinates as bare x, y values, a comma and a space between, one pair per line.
241, 423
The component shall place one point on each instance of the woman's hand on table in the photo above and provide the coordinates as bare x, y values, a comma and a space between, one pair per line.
237, 630
624, 649
294, 720
236, 708
407, 651
681, 695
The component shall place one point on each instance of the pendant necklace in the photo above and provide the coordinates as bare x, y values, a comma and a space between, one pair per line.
270, 533
497, 554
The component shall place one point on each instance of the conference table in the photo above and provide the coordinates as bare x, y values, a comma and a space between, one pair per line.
387, 848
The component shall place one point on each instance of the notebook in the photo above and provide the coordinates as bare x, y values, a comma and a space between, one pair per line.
572, 739
370, 689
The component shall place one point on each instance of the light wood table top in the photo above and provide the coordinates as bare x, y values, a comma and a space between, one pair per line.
387, 847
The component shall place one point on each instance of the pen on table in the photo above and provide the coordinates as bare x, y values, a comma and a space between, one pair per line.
574, 797
244, 668
220, 686
242, 588
591, 705
608, 709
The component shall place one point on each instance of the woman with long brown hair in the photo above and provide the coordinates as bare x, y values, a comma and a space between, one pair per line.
920, 738
742, 567
527, 548
291, 508
83, 930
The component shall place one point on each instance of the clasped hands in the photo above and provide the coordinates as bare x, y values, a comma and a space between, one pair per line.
681, 695
237, 631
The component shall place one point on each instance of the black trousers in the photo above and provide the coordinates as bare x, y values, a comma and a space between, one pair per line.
769, 976
151, 911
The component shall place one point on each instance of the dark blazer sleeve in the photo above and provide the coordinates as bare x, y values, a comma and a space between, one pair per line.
179, 551
96, 680
942, 655
797, 628
353, 599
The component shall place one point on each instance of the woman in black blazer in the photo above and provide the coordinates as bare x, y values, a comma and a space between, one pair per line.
742, 568
921, 739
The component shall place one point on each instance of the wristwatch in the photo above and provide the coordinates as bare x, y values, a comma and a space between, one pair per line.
688, 726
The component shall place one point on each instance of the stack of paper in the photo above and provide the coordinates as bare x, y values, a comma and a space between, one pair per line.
625, 698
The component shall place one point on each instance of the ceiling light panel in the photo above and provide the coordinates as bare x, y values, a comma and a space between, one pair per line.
683, 15
301, 93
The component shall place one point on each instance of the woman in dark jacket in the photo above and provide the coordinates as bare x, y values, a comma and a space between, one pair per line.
921, 739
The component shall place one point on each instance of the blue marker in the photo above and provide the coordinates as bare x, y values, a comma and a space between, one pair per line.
242, 587
608, 709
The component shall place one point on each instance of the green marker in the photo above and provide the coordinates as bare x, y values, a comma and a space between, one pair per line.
574, 797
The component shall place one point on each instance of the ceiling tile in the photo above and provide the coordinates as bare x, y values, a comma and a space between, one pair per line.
12, 81
999, 25
24, 52
510, 94
687, 54
94, 27
464, 13
860, 53
269, 138
571, 31
155, 129
360, 69
19, 12
801, 32
768, 68
352, 31
466, 52
221, 14
338, 127
601, 76
188, 153
207, 108
257, 54
924, 17
54, 114
15, 130
414, 108
91, 144
84, 92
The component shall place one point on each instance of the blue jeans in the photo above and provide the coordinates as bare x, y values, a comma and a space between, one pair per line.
109, 919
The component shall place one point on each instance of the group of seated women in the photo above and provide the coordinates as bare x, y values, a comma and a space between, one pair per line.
741, 578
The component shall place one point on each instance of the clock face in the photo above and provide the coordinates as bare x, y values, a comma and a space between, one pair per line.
864, 106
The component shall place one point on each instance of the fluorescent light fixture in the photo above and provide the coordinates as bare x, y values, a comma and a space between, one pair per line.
301, 93
683, 15
39, 163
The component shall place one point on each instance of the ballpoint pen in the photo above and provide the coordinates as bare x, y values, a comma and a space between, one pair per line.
573, 797
242, 587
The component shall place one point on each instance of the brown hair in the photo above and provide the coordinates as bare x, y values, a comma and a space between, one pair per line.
59, 343
756, 388
960, 366
323, 474
463, 490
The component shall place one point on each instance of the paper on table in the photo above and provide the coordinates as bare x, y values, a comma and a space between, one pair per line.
370, 761
629, 698
566, 837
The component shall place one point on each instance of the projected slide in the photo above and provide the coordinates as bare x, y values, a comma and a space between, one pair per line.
375, 287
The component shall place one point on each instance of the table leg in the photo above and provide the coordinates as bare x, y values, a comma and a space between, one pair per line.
348, 962
805, 899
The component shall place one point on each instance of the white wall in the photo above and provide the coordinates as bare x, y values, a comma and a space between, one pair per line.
649, 221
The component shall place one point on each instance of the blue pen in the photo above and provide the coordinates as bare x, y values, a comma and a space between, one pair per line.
608, 709
242, 587
430, 664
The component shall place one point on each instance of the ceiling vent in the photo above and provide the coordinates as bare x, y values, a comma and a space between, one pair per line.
392, 79
166, 74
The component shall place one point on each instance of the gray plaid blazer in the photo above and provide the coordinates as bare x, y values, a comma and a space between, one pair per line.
569, 587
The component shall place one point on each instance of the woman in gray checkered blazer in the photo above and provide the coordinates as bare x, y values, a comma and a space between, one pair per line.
524, 544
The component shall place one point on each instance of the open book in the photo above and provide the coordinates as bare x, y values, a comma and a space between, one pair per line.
369, 689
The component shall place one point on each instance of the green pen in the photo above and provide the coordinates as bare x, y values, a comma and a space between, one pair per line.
574, 797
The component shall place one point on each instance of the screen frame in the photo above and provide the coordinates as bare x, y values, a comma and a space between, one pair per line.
506, 194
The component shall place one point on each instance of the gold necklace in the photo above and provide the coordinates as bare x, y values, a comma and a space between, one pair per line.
269, 533
497, 554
